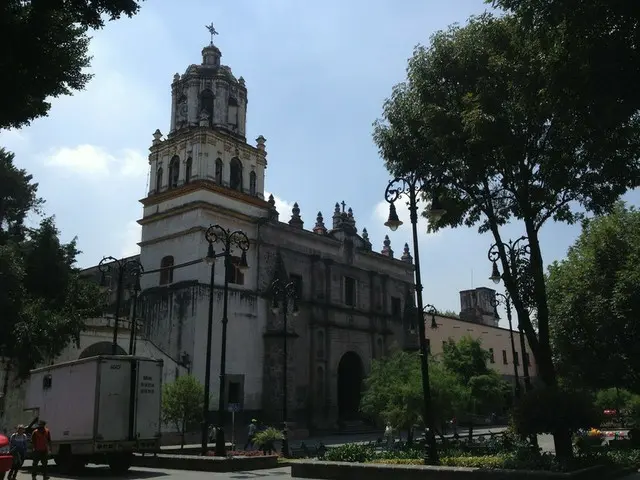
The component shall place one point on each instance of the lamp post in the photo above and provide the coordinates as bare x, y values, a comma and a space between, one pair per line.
135, 290
432, 312
411, 186
499, 299
282, 293
517, 253
123, 268
216, 234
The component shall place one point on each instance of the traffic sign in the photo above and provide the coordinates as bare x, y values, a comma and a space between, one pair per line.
233, 407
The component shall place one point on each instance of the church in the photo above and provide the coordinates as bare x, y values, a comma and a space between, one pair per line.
350, 297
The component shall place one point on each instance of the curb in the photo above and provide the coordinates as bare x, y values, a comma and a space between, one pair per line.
206, 464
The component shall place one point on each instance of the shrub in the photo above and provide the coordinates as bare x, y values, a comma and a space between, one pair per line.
549, 410
267, 437
351, 452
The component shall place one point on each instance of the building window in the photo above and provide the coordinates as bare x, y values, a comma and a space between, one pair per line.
234, 275
166, 274
174, 172
428, 346
159, 180
350, 291
516, 358
320, 344
297, 281
206, 103
396, 308
253, 179
235, 175
527, 359
233, 111
219, 171
234, 393
504, 357
188, 170
492, 358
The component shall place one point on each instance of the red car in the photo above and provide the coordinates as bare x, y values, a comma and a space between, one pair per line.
6, 460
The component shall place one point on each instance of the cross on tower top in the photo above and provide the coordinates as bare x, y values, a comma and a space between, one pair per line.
343, 205
212, 31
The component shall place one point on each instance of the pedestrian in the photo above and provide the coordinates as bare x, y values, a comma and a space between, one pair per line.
253, 427
41, 442
388, 435
18, 443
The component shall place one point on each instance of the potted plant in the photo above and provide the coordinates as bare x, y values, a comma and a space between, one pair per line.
267, 438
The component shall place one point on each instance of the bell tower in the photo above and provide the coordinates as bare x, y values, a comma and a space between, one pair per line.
203, 171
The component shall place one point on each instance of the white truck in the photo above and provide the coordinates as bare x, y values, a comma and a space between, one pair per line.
100, 409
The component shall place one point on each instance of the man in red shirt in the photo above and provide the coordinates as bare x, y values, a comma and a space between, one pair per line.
41, 442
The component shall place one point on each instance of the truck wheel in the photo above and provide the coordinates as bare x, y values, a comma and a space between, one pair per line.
120, 463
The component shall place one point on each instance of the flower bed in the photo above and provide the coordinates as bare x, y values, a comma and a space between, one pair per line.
241, 453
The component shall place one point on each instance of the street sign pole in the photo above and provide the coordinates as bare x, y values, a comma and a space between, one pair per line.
233, 408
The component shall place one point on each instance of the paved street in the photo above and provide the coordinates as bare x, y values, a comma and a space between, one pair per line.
103, 473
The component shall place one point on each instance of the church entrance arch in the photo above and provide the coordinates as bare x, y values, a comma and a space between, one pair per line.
101, 348
350, 377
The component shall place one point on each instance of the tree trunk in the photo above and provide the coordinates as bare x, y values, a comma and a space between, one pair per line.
184, 427
5, 386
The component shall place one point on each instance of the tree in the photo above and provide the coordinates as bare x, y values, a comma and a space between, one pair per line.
594, 303
49, 51
467, 360
43, 300
182, 403
393, 391
474, 122
589, 43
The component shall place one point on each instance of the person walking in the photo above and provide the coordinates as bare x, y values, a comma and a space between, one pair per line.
18, 442
41, 441
253, 429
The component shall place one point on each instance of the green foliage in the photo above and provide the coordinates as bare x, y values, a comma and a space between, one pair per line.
594, 303
613, 398
487, 391
552, 410
50, 51
182, 402
267, 436
394, 391
589, 43
351, 452
43, 300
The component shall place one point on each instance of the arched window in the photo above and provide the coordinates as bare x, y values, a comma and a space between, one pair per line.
206, 103
174, 171
233, 112
320, 385
159, 180
219, 171
320, 344
252, 183
188, 170
235, 177
166, 274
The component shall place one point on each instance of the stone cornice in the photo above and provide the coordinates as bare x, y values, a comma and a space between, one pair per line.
195, 185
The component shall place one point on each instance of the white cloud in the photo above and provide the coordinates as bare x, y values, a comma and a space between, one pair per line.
130, 237
282, 206
94, 161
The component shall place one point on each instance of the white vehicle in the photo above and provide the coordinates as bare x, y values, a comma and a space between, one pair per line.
100, 409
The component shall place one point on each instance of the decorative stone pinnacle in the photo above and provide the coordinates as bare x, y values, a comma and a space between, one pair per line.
296, 221
386, 249
365, 235
319, 227
350, 212
337, 209
272, 201
157, 135
260, 141
406, 256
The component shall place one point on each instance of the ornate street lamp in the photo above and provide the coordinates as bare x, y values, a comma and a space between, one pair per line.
229, 240
131, 269
432, 312
502, 299
412, 186
517, 253
282, 294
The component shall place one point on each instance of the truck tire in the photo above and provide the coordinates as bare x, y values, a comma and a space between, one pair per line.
68, 462
120, 462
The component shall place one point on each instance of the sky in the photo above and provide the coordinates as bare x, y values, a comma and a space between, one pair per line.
317, 75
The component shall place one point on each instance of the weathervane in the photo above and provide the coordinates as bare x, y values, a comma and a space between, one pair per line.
212, 31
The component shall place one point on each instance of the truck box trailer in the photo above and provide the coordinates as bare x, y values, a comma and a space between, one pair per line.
100, 409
